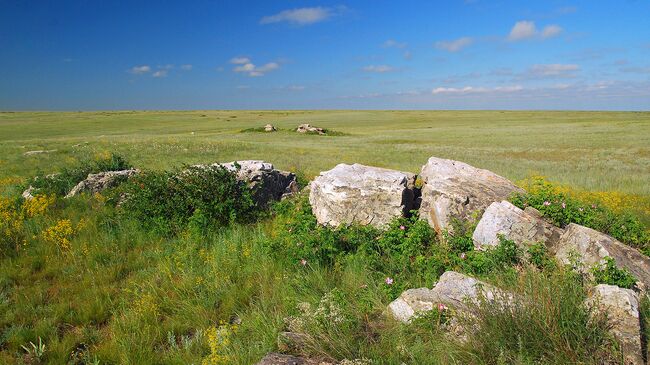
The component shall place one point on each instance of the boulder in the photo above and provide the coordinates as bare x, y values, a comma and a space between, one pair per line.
453, 289
269, 128
38, 152
308, 128
361, 194
275, 358
266, 183
590, 247
622, 308
456, 189
95, 183
521, 226
27, 194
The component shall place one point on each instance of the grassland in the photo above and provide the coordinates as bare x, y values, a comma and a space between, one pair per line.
119, 294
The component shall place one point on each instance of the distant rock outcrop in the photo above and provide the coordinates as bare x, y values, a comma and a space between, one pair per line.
521, 226
308, 128
456, 189
361, 194
269, 128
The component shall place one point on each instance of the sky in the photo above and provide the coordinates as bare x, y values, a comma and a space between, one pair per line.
455, 54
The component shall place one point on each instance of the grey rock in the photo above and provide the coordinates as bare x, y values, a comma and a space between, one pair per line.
590, 247
266, 183
455, 290
269, 128
275, 358
292, 342
308, 128
524, 227
622, 308
38, 152
456, 189
361, 194
27, 194
95, 183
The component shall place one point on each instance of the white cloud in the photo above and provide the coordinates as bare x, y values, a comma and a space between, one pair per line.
139, 70
554, 70
186, 67
526, 29
247, 67
523, 29
391, 43
300, 16
378, 68
475, 90
454, 45
240, 60
551, 31
160, 73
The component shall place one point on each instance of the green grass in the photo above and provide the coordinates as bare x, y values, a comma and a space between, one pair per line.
121, 294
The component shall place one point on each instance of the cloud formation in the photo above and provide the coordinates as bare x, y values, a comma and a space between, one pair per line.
526, 29
247, 67
300, 16
454, 45
160, 73
378, 68
555, 70
139, 70
187, 67
474, 90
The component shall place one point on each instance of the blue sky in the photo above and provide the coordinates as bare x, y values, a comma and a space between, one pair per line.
456, 54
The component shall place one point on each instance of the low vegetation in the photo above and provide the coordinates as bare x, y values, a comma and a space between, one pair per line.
154, 271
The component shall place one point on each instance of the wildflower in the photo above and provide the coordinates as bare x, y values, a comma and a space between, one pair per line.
441, 307
547, 203
462, 256
303, 262
563, 205
580, 209
363, 286
389, 281
402, 228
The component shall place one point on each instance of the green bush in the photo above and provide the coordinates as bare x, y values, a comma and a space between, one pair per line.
609, 273
61, 183
562, 208
202, 197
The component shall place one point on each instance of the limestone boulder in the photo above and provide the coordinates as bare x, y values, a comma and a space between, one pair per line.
266, 183
95, 183
454, 290
590, 247
308, 128
269, 128
361, 194
456, 189
524, 227
622, 308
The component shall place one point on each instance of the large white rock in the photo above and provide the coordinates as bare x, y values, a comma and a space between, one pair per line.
361, 194
590, 247
95, 183
455, 290
266, 183
521, 226
622, 307
456, 189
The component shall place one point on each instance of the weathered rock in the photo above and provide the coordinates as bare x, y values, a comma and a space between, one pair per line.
269, 128
292, 342
27, 194
524, 227
622, 307
274, 358
453, 289
38, 152
308, 128
95, 183
266, 183
361, 194
590, 247
456, 189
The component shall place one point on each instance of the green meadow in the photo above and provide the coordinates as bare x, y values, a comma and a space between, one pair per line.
83, 282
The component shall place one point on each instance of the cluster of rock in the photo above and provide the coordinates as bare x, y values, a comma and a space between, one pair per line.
308, 128
95, 183
450, 190
269, 128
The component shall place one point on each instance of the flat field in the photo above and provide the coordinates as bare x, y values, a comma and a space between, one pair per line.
595, 151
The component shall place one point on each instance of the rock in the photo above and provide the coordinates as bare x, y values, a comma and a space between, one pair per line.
269, 128
622, 307
266, 183
307, 128
521, 226
275, 358
590, 247
361, 194
292, 342
453, 289
456, 189
27, 194
95, 183
31, 153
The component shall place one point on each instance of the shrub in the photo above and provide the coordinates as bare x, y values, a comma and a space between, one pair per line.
563, 206
61, 183
539, 257
12, 235
205, 196
609, 273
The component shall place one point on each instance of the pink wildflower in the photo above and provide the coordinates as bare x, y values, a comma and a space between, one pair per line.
462, 255
563, 205
402, 228
442, 307
389, 281
547, 203
303, 262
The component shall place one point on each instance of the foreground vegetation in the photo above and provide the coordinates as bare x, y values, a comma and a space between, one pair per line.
173, 276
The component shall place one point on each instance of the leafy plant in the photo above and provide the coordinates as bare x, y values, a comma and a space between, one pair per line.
36, 350
608, 273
